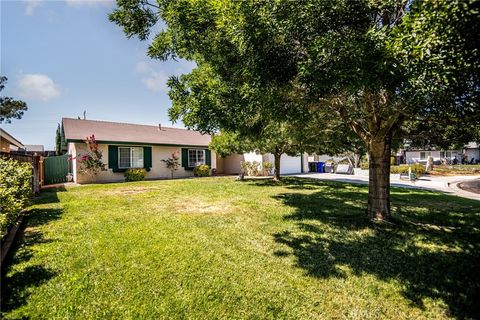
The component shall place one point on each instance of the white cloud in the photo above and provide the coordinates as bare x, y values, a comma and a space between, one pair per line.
31, 5
154, 75
91, 3
38, 87
155, 80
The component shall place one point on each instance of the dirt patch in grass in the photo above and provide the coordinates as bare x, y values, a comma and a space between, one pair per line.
197, 206
130, 191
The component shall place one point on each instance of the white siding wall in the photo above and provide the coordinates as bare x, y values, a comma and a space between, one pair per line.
414, 156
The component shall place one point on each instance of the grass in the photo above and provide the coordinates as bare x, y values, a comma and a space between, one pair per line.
215, 248
445, 170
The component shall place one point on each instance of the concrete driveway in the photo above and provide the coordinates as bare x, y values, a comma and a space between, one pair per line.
446, 184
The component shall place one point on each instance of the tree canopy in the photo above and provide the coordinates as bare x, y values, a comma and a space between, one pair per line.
9, 107
383, 68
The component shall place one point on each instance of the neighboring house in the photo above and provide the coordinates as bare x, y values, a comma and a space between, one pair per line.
125, 145
8, 143
34, 148
421, 156
471, 151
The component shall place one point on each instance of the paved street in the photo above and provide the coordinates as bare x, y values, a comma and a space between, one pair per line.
446, 184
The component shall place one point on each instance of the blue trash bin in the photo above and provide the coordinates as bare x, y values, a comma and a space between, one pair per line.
321, 167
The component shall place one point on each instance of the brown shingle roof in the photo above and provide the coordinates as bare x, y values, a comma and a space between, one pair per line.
76, 129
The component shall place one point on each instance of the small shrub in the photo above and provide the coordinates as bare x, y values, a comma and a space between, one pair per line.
202, 170
15, 191
135, 174
254, 169
267, 168
417, 169
172, 163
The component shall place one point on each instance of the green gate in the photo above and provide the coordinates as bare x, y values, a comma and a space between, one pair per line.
56, 169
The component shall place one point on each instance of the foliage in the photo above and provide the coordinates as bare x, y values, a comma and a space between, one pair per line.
267, 168
135, 174
255, 168
10, 108
172, 163
91, 162
297, 249
378, 67
202, 170
15, 190
418, 169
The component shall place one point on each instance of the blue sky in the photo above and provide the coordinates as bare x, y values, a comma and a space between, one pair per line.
64, 57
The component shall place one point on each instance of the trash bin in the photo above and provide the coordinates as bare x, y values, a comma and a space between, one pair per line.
321, 167
312, 167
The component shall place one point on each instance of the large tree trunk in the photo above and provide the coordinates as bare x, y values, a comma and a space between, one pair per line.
379, 179
277, 155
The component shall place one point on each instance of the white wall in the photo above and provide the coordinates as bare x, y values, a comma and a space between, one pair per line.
414, 156
158, 170
472, 153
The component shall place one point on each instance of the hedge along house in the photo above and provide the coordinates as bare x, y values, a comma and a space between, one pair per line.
125, 146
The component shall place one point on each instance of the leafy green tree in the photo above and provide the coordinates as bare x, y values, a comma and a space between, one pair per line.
379, 67
274, 138
10, 108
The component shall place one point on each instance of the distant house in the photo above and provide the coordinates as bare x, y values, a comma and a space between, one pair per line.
34, 148
470, 151
8, 142
125, 146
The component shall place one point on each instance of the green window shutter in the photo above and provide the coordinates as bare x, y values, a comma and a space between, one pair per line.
208, 157
113, 158
184, 158
147, 157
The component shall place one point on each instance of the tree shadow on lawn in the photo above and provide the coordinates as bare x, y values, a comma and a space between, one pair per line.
431, 248
16, 285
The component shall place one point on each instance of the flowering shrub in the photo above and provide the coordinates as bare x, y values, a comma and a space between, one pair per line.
91, 163
172, 163
202, 170
15, 190
135, 174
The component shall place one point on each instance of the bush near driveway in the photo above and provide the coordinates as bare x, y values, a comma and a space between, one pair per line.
15, 190
417, 169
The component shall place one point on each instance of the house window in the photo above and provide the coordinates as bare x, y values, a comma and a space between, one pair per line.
425, 154
196, 157
130, 157
446, 154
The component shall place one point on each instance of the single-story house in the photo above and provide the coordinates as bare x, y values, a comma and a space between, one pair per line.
125, 146
34, 148
421, 156
8, 142
470, 151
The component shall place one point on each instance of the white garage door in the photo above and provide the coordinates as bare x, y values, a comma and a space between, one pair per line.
290, 165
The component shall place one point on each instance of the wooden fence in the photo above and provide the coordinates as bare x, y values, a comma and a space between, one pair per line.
36, 163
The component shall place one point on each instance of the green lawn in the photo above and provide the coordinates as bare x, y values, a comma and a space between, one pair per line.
215, 248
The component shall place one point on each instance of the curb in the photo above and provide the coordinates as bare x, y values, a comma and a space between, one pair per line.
10, 238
